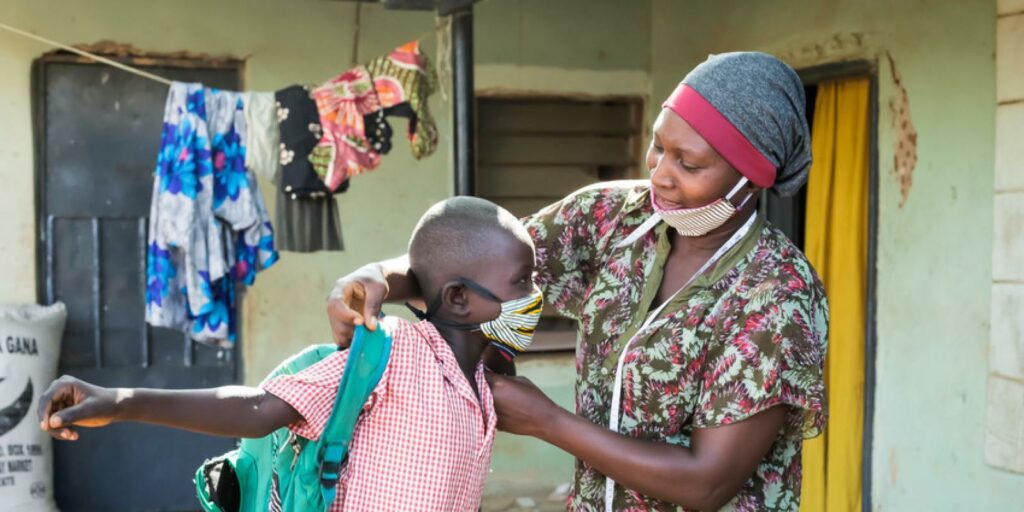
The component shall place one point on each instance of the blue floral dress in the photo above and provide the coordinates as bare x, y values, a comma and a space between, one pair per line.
208, 225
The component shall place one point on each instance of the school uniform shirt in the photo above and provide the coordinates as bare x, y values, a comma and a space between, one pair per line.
424, 439
747, 335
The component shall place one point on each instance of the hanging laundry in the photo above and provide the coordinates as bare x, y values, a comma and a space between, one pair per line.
237, 202
405, 76
343, 150
378, 130
232, 196
180, 211
209, 227
307, 216
263, 137
353, 108
300, 131
257, 247
307, 225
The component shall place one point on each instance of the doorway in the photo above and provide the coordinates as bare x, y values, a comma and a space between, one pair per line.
97, 132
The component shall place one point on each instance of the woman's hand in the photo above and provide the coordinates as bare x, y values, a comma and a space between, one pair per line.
521, 406
715, 465
70, 401
356, 299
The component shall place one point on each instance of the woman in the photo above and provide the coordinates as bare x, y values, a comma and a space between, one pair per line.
702, 328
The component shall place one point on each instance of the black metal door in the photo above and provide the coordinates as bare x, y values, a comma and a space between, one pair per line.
98, 130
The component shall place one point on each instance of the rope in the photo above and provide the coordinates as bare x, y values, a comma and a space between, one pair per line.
441, 29
355, 34
83, 53
444, 56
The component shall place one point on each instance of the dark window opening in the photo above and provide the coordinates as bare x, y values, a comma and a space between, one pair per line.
535, 151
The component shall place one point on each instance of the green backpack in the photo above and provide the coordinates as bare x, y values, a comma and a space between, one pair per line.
303, 473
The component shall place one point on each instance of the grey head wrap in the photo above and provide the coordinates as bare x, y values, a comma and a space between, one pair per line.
763, 98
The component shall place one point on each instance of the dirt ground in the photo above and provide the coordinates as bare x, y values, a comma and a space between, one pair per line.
539, 501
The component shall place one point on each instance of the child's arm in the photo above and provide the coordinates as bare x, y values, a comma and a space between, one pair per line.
233, 411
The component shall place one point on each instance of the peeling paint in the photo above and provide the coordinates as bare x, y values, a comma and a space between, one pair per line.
905, 154
135, 56
840, 46
125, 50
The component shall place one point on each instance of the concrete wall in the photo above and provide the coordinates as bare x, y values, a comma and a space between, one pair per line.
1004, 447
283, 43
934, 262
936, 229
524, 46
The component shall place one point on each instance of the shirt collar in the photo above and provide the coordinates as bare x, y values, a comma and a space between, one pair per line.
446, 358
638, 198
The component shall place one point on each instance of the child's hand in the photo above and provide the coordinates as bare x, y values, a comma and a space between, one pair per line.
70, 401
356, 300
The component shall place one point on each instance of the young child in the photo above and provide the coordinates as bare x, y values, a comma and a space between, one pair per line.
424, 439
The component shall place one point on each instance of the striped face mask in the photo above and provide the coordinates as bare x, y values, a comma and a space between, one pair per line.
703, 220
513, 330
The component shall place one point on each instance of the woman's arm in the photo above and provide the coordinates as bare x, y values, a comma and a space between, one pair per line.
232, 411
357, 298
704, 476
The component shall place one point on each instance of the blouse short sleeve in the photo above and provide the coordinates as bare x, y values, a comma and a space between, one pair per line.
769, 350
568, 236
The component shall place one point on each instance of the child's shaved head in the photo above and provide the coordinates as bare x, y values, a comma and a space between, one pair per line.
457, 236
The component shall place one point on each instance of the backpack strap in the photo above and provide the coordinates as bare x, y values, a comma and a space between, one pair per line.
368, 357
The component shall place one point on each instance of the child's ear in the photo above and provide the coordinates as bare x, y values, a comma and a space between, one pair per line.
455, 299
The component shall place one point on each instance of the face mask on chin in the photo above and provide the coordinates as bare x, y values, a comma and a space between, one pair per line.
693, 222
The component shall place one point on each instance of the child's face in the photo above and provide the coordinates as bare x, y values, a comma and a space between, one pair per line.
508, 275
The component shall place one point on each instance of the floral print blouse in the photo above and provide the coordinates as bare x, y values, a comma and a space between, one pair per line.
748, 334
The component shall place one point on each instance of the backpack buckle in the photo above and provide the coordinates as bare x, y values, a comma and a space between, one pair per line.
330, 464
329, 474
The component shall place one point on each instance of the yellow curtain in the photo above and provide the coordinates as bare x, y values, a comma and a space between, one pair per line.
836, 244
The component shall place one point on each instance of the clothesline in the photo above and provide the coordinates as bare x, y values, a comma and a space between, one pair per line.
438, 27
83, 53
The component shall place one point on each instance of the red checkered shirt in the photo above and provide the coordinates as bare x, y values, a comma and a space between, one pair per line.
424, 439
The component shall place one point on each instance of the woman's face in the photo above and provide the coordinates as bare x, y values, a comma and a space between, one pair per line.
686, 172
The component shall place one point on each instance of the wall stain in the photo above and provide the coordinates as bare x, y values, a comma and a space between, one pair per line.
905, 154
893, 470
840, 46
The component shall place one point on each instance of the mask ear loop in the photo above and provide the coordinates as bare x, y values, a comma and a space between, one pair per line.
472, 285
435, 304
417, 312
739, 185
432, 308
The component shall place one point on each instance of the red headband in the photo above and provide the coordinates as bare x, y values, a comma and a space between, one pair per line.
722, 135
